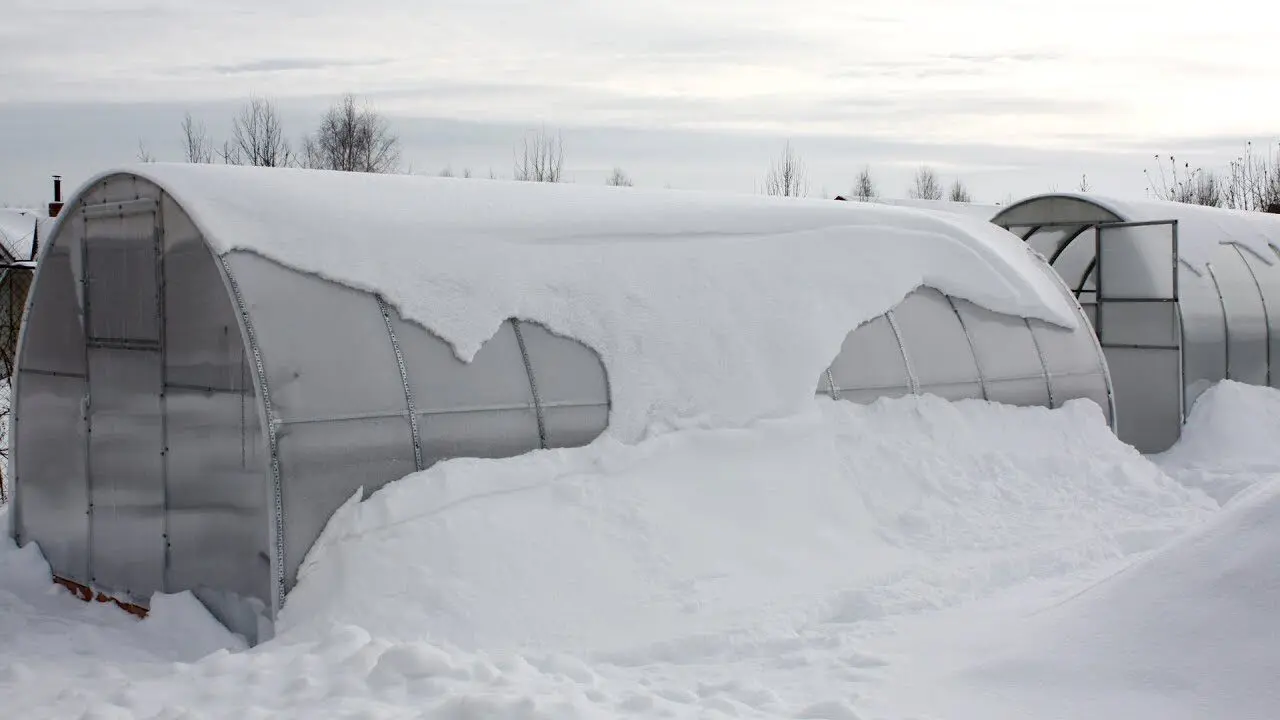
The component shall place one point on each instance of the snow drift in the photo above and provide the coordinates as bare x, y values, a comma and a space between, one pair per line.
1230, 439
845, 514
1187, 632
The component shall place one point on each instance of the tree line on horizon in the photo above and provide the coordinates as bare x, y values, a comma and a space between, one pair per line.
351, 136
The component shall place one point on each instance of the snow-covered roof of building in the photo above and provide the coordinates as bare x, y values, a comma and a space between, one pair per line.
1199, 227
679, 292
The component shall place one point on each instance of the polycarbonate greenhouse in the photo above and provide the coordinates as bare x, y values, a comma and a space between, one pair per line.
190, 411
1181, 296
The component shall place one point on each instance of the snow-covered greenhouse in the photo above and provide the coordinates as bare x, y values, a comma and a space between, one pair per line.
1181, 296
215, 359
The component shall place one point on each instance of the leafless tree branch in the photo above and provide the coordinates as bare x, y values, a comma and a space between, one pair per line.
540, 159
787, 176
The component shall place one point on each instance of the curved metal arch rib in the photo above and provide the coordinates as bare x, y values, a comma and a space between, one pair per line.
269, 427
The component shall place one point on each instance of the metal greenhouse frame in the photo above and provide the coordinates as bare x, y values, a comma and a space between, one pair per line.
1180, 297
189, 418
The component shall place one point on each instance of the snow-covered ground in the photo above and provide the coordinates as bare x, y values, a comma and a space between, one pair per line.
908, 559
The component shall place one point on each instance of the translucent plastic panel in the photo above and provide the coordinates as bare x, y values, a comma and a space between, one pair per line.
121, 275
1139, 323
1246, 317
1073, 262
54, 336
1025, 392
1046, 240
126, 472
217, 493
954, 391
1067, 351
1090, 309
1268, 277
479, 409
572, 386
323, 463
1204, 339
1136, 262
870, 358
934, 339
1002, 343
1091, 386
1147, 402
203, 347
52, 493
325, 346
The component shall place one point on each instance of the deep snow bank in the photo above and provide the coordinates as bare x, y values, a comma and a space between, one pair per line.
1189, 633
1232, 436
844, 514
680, 293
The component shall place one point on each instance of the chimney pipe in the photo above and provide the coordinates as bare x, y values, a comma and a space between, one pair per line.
55, 207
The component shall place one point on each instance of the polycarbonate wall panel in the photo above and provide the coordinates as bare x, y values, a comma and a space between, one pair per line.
54, 334
1204, 338
52, 493
1139, 323
1006, 354
1268, 278
121, 275
1136, 262
935, 341
217, 471
1084, 386
1146, 388
218, 528
325, 346
126, 472
1074, 363
479, 409
1073, 262
572, 386
203, 347
1246, 319
1046, 240
870, 359
323, 463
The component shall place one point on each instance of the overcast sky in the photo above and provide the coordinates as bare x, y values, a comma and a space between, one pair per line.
1014, 96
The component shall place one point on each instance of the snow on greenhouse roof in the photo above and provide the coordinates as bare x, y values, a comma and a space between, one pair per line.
705, 308
980, 211
1200, 228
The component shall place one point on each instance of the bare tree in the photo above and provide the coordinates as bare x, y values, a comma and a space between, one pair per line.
959, 193
352, 139
1253, 181
466, 173
925, 186
540, 158
144, 155
447, 171
618, 179
197, 147
1186, 185
864, 188
1084, 186
787, 176
258, 135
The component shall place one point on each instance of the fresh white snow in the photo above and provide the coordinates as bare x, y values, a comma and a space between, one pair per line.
678, 292
908, 559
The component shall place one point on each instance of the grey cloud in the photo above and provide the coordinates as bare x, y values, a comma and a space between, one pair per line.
288, 64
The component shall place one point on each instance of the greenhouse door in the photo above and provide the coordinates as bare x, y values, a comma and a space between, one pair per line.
124, 405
